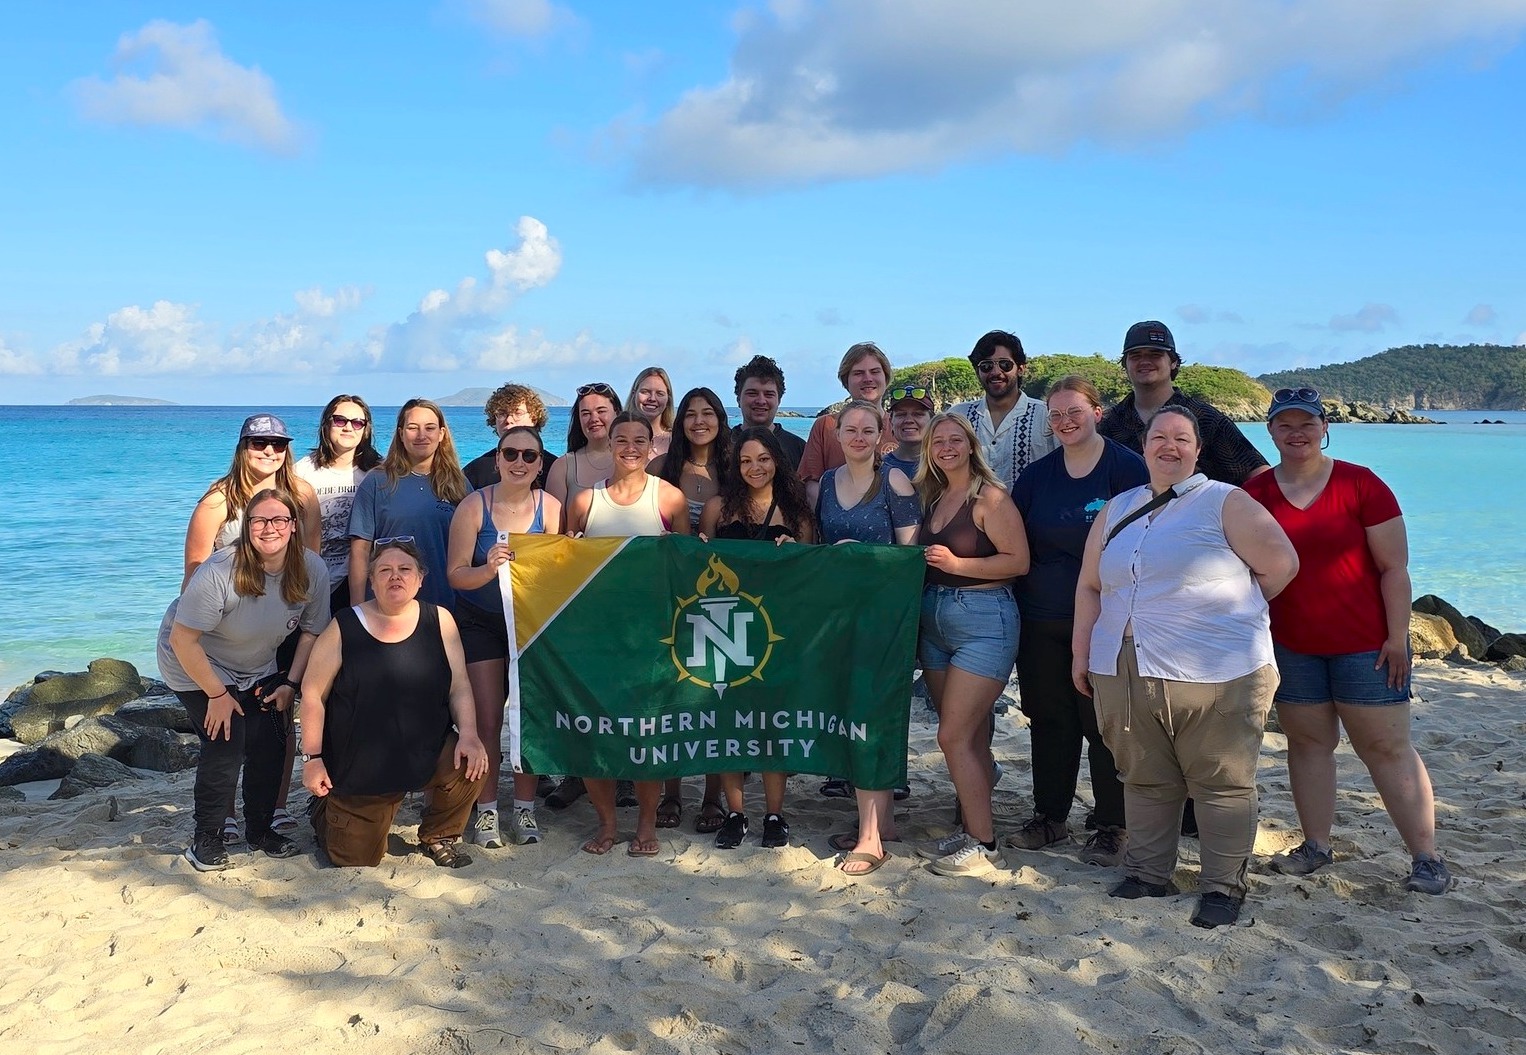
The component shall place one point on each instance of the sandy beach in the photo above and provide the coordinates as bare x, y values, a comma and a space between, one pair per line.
114, 944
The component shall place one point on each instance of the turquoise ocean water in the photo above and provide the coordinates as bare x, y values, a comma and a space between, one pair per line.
97, 500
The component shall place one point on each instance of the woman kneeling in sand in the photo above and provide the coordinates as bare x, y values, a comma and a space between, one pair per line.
386, 683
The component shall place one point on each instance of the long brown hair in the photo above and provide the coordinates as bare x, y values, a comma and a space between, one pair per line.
445, 477
325, 454
238, 483
932, 483
249, 568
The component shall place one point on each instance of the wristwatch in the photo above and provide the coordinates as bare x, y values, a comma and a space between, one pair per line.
306, 758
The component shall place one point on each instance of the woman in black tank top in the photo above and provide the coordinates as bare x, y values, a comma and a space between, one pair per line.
976, 546
386, 683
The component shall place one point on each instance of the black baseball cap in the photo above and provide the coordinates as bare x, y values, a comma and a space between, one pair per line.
1149, 334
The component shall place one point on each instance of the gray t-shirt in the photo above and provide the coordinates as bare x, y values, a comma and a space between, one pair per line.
240, 635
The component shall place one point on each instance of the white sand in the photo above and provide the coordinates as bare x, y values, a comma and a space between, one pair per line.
114, 944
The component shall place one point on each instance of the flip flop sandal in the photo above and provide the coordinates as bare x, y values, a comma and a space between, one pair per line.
873, 862
635, 849
670, 811
711, 816
599, 846
843, 842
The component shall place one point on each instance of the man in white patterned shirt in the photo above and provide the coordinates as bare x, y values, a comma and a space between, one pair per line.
1013, 427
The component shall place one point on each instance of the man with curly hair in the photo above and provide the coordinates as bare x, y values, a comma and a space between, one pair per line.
508, 406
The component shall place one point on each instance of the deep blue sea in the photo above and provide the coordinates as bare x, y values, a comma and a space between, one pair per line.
97, 500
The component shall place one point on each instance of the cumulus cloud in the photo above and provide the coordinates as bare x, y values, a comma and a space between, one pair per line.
844, 89
1369, 319
187, 82
1196, 314
16, 364
519, 18
1481, 315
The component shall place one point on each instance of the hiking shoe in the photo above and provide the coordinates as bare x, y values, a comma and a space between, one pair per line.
732, 832
775, 830
525, 831
1216, 910
971, 859
274, 844
567, 792
1037, 833
1301, 860
943, 847
1105, 847
283, 822
484, 830
1133, 888
837, 788
1429, 875
231, 835
206, 852
625, 793
902, 793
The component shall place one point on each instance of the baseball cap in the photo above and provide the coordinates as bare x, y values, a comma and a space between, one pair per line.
918, 394
1305, 399
1149, 334
263, 425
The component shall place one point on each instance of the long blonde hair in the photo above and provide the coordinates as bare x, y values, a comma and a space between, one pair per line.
877, 457
238, 483
445, 477
932, 483
665, 419
249, 567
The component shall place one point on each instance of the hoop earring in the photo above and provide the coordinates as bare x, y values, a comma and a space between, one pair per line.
1326, 445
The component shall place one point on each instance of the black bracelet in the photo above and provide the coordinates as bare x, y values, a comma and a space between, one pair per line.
219, 696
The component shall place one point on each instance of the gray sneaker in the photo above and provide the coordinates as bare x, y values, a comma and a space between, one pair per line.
1301, 860
525, 831
943, 847
1038, 833
1105, 847
484, 830
1429, 875
971, 859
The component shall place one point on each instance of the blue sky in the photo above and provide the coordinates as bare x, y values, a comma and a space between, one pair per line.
270, 203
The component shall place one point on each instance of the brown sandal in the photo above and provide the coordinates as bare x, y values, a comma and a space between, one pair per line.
444, 853
711, 816
670, 811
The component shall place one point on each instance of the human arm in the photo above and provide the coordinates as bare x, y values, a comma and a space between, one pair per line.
556, 478
577, 513
461, 547
185, 642
207, 520
360, 564
1260, 542
994, 514
1088, 605
1389, 544
322, 669
362, 529
311, 516
905, 508
674, 508
552, 515
655, 466
470, 753
710, 518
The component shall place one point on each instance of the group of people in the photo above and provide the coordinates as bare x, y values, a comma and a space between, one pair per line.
1156, 585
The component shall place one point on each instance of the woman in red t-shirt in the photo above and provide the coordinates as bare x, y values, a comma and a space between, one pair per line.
1341, 634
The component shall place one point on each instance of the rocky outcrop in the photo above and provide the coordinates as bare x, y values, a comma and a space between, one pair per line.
1430, 636
1357, 411
165, 751
1468, 635
46, 704
1506, 646
91, 773
157, 712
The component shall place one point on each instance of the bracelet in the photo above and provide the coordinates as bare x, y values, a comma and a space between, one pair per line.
219, 696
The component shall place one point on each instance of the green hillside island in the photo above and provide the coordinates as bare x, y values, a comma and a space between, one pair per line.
953, 380
1425, 377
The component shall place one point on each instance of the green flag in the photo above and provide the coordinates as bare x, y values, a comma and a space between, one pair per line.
656, 657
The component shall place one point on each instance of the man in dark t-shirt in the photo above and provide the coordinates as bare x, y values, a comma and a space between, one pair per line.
1151, 361
508, 406
759, 388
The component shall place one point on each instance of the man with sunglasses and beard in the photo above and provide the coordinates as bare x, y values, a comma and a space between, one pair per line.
1012, 426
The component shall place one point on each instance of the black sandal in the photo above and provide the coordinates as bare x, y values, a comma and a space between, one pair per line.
446, 854
711, 816
670, 811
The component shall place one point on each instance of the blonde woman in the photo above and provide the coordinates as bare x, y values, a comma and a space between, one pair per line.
651, 396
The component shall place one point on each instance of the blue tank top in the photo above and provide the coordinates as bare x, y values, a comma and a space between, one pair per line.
490, 598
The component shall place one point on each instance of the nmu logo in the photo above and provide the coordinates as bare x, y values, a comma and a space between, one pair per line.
721, 636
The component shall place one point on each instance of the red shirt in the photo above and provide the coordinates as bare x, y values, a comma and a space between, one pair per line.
1334, 605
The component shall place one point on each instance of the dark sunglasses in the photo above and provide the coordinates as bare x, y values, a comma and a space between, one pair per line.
598, 388
339, 421
514, 454
267, 443
985, 366
898, 394
1299, 395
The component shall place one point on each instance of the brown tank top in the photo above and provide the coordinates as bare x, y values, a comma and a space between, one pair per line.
963, 539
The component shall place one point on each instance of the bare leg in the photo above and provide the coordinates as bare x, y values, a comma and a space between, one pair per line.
487, 681
1313, 735
1380, 736
876, 823
731, 784
964, 702
773, 792
601, 793
648, 792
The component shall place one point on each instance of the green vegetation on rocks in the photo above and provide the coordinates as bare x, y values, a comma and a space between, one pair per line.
1423, 377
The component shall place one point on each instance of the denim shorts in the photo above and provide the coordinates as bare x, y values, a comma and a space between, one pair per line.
1348, 679
974, 630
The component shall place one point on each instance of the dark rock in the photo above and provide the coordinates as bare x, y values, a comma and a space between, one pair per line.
1467, 634
46, 704
26, 766
1505, 646
1491, 635
155, 687
157, 712
91, 773
106, 735
1514, 664
12, 795
164, 751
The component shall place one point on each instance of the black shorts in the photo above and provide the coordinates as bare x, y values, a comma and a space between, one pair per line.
484, 634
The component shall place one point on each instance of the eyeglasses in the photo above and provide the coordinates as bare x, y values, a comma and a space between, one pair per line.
261, 523
1073, 414
985, 366
339, 421
394, 538
267, 443
514, 454
898, 394
1298, 395
598, 388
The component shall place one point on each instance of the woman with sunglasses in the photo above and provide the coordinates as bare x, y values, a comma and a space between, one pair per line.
479, 548
589, 460
1059, 496
699, 457
412, 497
260, 461
651, 396
217, 652
1340, 632
334, 469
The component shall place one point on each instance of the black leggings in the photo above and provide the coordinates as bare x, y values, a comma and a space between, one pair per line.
257, 743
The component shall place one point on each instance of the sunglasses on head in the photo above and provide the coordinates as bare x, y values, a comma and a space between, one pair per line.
898, 394
985, 366
1298, 395
267, 443
339, 421
390, 539
513, 454
598, 388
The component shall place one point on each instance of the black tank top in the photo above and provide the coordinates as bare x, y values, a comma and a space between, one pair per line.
963, 539
387, 717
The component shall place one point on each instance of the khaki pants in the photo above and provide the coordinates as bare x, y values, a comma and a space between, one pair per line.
353, 829
1172, 739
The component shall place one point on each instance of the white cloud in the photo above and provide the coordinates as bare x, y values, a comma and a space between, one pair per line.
519, 18
189, 84
1369, 319
1481, 315
845, 89
507, 350
16, 364
321, 305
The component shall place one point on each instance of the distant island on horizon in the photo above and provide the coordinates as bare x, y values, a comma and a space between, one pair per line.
120, 401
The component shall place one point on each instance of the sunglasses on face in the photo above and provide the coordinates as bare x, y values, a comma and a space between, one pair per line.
279, 523
339, 421
985, 366
1299, 395
898, 394
513, 454
598, 388
267, 443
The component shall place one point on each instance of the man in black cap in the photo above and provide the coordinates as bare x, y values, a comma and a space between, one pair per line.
1150, 359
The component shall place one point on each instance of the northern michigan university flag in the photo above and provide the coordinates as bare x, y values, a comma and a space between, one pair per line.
654, 657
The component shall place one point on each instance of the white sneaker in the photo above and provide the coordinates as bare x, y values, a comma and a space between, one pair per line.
525, 831
950, 843
972, 859
485, 831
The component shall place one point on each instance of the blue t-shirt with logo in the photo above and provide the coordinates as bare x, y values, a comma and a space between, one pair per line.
1058, 512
